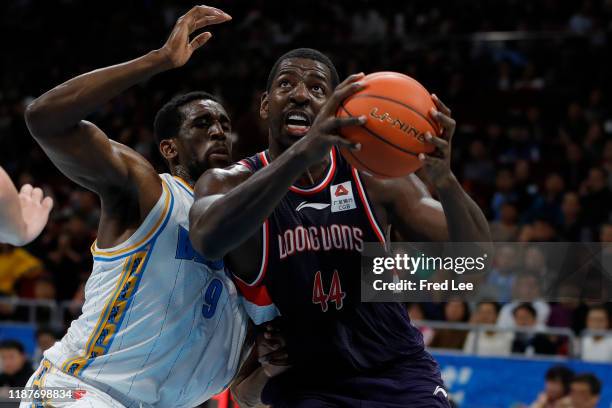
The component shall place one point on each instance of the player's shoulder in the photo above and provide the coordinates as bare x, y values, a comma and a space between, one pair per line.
138, 167
144, 186
221, 180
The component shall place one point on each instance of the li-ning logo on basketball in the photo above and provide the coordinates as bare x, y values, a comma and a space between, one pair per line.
398, 123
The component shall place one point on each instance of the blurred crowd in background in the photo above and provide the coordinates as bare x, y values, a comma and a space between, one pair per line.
528, 83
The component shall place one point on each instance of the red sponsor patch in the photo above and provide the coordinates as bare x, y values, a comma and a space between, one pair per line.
340, 191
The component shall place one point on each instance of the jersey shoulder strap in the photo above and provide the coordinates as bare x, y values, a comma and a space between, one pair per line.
255, 162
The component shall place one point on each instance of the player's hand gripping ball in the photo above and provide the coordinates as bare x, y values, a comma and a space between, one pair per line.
398, 109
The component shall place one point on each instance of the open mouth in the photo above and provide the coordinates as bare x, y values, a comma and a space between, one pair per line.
297, 123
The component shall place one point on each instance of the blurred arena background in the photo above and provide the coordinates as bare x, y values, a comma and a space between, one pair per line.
529, 83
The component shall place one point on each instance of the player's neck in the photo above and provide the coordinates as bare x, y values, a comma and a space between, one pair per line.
313, 175
180, 171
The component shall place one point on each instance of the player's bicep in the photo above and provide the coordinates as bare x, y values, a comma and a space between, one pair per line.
87, 156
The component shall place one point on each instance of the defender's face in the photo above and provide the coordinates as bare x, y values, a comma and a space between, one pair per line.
299, 90
204, 137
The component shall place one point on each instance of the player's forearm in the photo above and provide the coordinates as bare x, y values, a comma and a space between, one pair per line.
65, 105
248, 392
12, 225
466, 221
226, 223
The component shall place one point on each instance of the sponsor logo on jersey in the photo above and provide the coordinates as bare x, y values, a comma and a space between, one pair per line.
439, 390
316, 206
320, 238
340, 191
342, 197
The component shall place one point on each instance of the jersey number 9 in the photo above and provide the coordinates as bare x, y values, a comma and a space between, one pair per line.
211, 298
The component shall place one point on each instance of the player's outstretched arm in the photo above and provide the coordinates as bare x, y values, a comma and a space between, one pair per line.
81, 150
223, 217
23, 215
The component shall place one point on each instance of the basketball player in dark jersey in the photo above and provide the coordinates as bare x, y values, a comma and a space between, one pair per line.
291, 222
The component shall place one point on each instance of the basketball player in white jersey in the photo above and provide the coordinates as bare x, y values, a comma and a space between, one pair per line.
161, 326
23, 215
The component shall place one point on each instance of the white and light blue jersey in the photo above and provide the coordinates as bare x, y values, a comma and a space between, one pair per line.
160, 325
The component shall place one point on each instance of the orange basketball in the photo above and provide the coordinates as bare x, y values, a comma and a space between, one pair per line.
397, 110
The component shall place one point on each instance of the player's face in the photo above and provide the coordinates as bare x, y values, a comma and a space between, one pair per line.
299, 90
204, 137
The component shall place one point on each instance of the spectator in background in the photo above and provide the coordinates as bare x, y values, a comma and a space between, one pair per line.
597, 347
490, 343
479, 167
526, 288
503, 273
548, 203
415, 312
596, 199
577, 167
44, 289
570, 229
505, 229
45, 338
541, 229
524, 184
15, 367
566, 311
534, 261
556, 387
455, 311
504, 184
574, 126
605, 233
585, 390
529, 342
607, 161
16, 264
69, 259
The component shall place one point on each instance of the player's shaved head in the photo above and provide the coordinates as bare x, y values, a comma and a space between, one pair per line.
169, 118
307, 53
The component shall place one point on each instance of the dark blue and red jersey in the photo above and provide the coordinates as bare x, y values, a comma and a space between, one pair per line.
310, 276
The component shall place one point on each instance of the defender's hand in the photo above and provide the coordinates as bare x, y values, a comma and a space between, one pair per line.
271, 351
437, 164
323, 133
178, 49
35, 209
